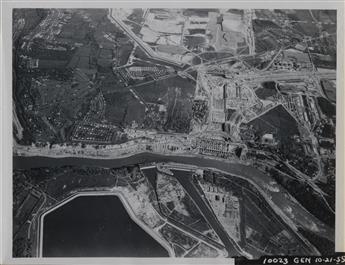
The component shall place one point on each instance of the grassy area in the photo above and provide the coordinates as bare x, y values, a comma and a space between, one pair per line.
266, 90
177, 94
122, 108
277, 121
327, 108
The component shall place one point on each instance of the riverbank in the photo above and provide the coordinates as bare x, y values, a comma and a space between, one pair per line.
285, 202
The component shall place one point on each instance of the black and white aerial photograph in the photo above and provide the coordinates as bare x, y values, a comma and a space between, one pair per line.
160, 132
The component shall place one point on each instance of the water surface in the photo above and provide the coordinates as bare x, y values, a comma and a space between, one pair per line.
96, 226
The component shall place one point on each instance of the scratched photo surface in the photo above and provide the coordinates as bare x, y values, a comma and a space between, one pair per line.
205, 133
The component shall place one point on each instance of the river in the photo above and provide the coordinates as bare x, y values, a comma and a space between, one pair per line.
290, 207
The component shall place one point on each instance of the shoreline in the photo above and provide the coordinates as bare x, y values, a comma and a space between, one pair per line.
125, 204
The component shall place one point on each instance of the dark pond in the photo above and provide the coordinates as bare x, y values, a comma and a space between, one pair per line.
96, 226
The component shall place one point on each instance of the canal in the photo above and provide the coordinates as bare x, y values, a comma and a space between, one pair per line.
185, 178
